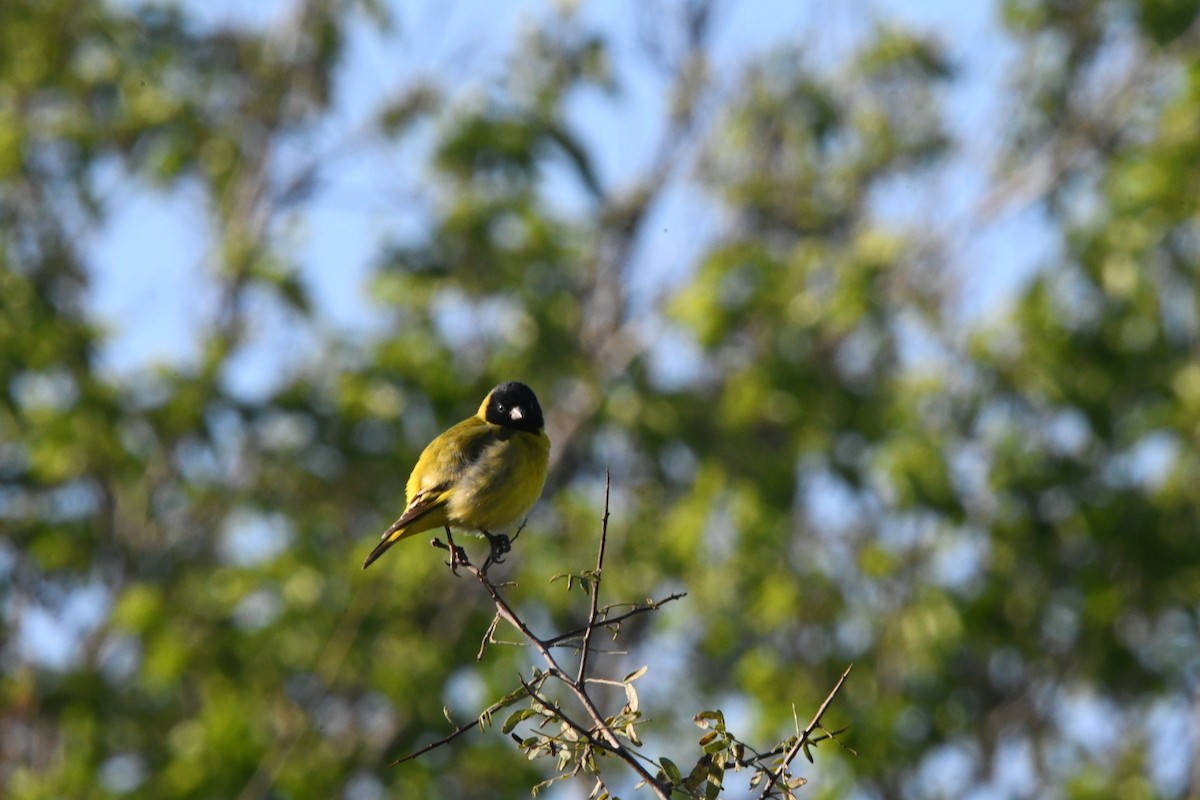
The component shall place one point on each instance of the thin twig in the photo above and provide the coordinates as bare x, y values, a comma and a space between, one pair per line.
513, 539
756, 757
591, 623
504, 610
651, 605
487, 637
803, 738
459, 730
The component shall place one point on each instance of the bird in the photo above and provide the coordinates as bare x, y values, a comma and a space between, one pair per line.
484, 473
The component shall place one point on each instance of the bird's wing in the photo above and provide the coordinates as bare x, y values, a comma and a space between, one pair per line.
441, 465
421, 505
436, 477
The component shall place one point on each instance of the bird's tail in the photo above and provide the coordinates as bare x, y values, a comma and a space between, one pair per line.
417, 518
397, 531
389, 539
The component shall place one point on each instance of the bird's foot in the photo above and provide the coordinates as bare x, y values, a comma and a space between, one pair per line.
500, 547
458, 556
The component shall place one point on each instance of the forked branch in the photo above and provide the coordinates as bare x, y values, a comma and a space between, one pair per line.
579, 741
600, 734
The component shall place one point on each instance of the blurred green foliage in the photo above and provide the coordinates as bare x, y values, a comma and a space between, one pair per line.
997, 525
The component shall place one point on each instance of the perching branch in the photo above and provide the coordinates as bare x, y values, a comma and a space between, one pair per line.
578, 742
600, 735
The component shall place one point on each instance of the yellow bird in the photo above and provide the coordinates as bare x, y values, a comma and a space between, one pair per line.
484, 473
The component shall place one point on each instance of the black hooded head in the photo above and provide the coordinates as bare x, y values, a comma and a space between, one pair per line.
514, 405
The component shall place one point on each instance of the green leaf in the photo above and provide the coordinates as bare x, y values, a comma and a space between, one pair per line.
516, 718
671, 770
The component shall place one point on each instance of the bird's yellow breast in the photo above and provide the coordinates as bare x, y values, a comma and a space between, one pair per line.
499, 486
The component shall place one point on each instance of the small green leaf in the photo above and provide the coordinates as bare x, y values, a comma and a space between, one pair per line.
698, 773
516, 718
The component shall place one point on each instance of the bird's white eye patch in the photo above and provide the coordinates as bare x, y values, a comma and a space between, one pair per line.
516, 413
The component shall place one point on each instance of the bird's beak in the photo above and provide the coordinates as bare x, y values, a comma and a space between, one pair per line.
516, 414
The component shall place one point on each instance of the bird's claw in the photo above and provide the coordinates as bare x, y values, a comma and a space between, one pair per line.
500, 544
458, 556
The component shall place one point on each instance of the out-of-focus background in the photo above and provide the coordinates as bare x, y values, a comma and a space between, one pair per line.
883, 316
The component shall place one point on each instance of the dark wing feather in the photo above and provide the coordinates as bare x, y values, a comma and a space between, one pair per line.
421, 505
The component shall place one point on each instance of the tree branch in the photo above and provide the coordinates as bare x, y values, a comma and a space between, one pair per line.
607, 736
651, 605
459, 730
803, 739
591, 623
